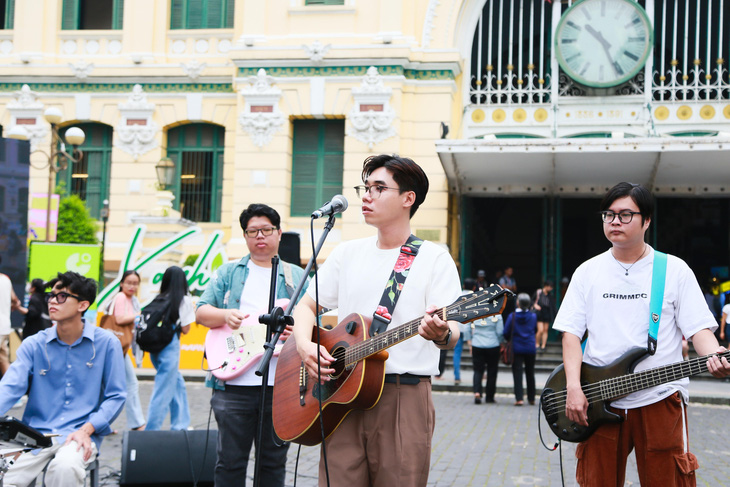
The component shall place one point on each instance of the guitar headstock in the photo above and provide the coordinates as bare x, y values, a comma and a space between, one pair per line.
480, 304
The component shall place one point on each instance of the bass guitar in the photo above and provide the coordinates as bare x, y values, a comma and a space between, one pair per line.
601, 385
232, 352
359, 368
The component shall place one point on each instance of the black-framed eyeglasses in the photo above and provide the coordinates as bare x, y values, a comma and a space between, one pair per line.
623, 216
375, 190
61, 297
254, 232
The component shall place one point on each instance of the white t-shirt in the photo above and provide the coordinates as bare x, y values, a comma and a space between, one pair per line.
254, 302
726, 312
186, 311
353, 279
614, 308
5, 304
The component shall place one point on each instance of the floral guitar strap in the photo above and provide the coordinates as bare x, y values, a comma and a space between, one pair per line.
394, 286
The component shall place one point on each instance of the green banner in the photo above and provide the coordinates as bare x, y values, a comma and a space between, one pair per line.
48, 259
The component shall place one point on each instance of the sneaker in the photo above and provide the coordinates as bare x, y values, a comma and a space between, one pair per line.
477, 399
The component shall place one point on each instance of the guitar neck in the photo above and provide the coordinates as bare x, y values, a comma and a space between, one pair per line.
384, 340
627, 384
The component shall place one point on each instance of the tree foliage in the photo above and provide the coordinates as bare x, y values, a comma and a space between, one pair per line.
75, 224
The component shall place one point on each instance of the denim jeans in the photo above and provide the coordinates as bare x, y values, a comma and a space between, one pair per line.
457, 357
169, 393
133, 407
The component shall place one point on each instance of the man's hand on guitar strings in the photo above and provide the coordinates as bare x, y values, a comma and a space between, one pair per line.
576, 405
719, 366
432, 327
234, 318
308, 353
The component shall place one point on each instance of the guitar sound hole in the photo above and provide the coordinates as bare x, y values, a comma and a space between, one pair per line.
339, 364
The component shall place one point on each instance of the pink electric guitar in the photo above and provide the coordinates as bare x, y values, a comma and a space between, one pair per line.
232, 352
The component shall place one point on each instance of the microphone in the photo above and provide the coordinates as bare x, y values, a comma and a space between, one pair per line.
338, 204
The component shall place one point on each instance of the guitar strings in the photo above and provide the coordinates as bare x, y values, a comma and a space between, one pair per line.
357, 352
558, 400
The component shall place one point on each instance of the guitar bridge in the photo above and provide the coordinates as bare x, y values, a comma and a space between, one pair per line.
234, 342
302, 384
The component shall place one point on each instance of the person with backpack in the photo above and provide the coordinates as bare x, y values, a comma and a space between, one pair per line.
237, 290
172, 310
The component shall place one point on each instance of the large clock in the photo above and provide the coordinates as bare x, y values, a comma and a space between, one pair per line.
603, 43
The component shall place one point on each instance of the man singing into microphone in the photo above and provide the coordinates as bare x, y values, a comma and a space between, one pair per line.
237, 290
390, 444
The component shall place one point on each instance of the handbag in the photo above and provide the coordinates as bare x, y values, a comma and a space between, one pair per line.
122, 332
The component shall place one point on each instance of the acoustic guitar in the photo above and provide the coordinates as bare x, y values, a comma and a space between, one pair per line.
359, 368
601, 385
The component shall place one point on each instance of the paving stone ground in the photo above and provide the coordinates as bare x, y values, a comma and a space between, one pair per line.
475, 445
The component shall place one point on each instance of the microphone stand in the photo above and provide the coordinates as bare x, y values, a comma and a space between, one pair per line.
276, 321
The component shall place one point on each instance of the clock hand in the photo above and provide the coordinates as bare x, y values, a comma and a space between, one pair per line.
605, 44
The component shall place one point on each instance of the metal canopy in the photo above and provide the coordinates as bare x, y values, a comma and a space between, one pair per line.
679, 166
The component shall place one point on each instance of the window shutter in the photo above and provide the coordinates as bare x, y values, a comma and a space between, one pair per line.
215, 14
70, 15
195, 13
10, 14
118, 17
230, 11
177, 14
304, 167
94, 168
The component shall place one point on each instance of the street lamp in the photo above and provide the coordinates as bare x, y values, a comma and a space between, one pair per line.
165, 172
58, 158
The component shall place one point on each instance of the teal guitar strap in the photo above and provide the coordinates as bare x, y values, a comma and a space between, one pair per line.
659, 274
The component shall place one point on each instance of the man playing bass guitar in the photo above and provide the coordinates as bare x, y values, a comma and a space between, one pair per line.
609, 298
390, 444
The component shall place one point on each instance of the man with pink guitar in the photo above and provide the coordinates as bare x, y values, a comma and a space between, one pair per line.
236, 295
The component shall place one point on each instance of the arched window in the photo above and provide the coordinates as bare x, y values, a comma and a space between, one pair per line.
89, 178
197, 151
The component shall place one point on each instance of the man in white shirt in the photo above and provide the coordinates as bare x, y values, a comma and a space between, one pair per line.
239, 290
389, 444
609, 298
8, 302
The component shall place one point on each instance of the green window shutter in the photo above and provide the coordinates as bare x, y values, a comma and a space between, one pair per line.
94, 167
230, 11
195, 14
70, 15
317, 163
215, 14
10, 14
177, 14
118, 15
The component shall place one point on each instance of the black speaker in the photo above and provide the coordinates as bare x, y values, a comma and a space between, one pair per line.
289, 248
168, 458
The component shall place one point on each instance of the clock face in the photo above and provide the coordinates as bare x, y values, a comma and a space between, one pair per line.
603, 43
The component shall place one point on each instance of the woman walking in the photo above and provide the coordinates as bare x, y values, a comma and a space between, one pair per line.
545, 311
522, 325
169, 395
483, 337
36, 318
125, 309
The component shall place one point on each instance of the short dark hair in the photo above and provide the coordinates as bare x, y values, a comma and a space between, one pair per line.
638, 193
258, 209
470, 283
408, 175
38, 284
84, 287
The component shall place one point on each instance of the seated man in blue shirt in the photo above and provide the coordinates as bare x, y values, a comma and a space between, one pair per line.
75, 371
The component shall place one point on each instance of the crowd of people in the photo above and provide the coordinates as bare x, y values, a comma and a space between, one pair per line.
78, 376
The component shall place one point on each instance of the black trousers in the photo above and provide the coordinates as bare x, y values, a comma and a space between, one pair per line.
529, 367
236, 411
489, 358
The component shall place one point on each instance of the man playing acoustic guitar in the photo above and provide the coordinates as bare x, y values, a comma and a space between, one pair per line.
609, 298
390, 444
236, 296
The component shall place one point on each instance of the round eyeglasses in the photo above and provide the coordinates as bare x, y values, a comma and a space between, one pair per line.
375, 190
623, 216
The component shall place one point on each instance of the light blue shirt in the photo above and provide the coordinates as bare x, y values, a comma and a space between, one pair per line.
485, 332
71, 384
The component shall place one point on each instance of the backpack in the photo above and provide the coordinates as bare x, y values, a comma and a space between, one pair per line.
156, 328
